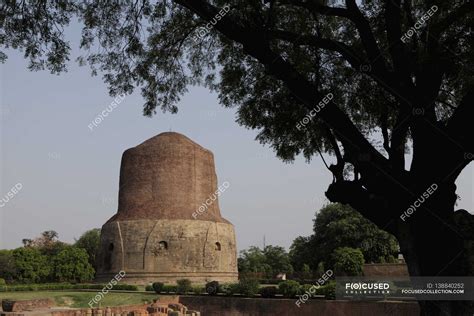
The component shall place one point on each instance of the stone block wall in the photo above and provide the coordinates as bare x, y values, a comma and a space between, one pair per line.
385, 269
236, 306
25, 305
168, 250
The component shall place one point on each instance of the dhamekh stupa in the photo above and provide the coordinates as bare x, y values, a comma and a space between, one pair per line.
168, 225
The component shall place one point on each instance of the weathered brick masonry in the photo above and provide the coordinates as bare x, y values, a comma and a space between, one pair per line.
158, 234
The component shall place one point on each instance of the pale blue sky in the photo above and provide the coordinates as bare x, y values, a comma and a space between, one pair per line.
70, 174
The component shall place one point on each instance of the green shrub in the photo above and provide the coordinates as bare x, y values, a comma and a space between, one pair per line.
348, 261
269, 281
212, 287
198, 289
306, 272
2, 282
320, 290
248, 287
31, 265
72, 265
64, 286
21, 288
158, 287
305, 288
149, 288
329, 290
289, 288
184, 286
229, 289
169, 288
125, 287
268, 291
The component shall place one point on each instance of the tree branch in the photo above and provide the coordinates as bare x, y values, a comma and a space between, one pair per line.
346, 51
353, 14
384, 128
337, 169
368, 40
458, 13
459, 126
398, 140
394, 34
317, 7
357, 148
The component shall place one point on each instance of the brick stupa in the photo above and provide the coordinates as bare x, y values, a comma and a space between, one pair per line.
168, 225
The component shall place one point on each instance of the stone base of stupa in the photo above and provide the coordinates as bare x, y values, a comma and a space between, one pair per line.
167, 250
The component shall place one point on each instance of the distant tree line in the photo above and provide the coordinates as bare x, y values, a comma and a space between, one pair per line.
47, 259
343, 240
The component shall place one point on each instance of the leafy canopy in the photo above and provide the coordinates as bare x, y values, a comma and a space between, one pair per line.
89, 241
31, 265
348, 261
270, 261
72, 265
339, 226
350, 50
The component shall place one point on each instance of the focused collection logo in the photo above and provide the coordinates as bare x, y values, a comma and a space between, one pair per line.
367, 288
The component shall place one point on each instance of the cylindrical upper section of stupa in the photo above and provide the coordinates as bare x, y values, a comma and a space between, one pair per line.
168, 177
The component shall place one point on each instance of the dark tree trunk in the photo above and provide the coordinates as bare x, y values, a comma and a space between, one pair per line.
441, 247
434, 239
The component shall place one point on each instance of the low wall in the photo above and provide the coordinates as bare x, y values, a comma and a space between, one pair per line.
163, 307
25, 305
236, 306
385, 269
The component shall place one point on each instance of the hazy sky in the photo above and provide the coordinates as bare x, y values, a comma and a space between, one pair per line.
69, 174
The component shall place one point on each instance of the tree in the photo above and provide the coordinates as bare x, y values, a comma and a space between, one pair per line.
72, 265
337, 225
306, 271
89, 241
301, 252
253, 260
348, 78
27, 242
31, 265
49, 236
7, 265
270, 261
278, 259
47, 243
348, 261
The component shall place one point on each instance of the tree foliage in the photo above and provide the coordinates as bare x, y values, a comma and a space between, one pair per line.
270, 261
301, 252
46, 259
7, 265
155, 45
337, 226
348, 261
72, 265
31, 266
89, 241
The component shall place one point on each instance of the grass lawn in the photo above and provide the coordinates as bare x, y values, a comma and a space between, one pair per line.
81, 299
